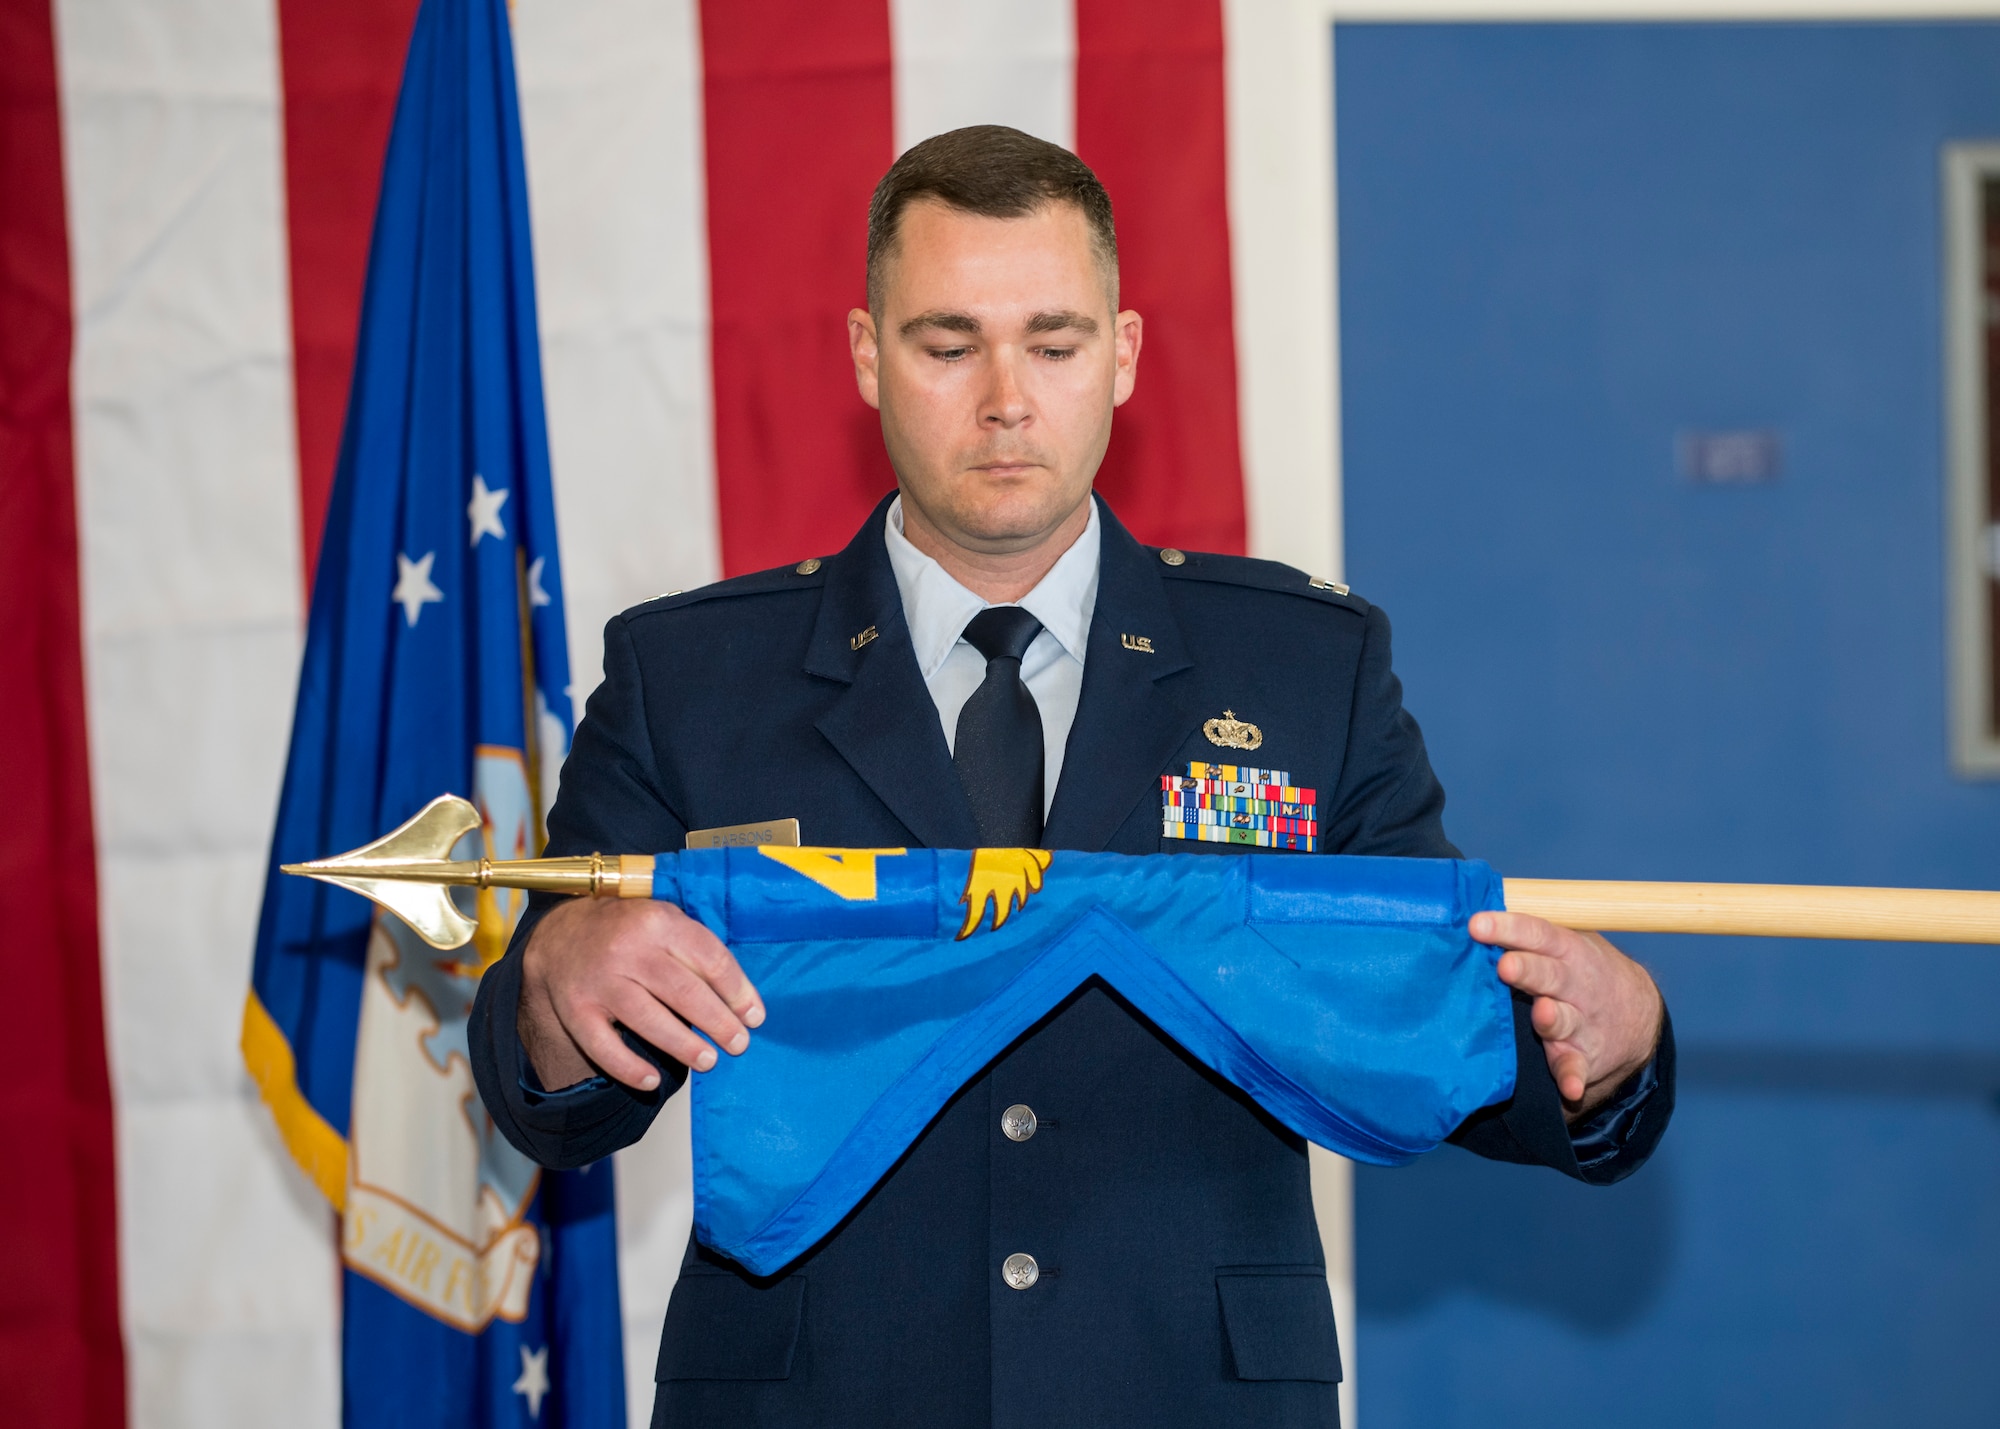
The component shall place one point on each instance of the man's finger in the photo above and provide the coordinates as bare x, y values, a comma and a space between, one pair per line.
1555, 1020
1519, 930
599, 1041
1572, 1073
1536, 974
672, 983
640, 1014
704, 954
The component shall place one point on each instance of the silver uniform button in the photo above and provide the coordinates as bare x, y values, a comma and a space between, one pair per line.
1020, 1271
1018, 1122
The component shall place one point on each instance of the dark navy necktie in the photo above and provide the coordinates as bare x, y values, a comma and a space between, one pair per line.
998, 751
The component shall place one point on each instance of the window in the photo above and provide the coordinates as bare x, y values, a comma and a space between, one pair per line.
1972, 329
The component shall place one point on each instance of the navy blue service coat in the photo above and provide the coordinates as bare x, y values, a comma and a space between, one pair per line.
1182, 1281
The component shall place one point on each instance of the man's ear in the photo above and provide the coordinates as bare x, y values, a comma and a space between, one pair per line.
1128, 331
862, 344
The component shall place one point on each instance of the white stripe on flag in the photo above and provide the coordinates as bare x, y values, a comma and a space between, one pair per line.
1279, 72
611, 109
962, 62
187, 494
611, 106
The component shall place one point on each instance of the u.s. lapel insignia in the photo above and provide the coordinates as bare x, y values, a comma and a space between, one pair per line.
1235, 804
1232, 733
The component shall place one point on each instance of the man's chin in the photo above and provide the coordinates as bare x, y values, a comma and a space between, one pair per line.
1010, 520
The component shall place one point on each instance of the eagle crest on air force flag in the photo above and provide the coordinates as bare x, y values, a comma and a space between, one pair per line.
436, 1199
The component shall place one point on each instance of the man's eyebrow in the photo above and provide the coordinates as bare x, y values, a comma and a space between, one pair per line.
1063, 322
941, 322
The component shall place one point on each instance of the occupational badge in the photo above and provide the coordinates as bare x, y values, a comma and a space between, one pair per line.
1233, 733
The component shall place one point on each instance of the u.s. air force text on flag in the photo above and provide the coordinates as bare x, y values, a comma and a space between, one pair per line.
478, 1288
1345, 995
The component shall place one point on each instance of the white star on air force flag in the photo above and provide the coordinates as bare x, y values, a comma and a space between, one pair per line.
484, 510
534, 1380
536, 595
413, 585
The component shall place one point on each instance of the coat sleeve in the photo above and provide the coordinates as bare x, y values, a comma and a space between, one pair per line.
609, 803
1389, 802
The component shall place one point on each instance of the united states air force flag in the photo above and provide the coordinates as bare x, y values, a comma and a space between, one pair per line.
479, 1290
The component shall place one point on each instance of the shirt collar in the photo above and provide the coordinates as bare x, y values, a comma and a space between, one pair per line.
937, 608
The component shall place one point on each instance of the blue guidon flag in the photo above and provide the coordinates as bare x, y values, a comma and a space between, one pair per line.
1345, 995
479, 1289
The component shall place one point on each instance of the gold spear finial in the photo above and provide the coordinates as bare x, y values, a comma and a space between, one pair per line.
408, 871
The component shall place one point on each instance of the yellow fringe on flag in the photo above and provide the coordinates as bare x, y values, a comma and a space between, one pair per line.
320, 1150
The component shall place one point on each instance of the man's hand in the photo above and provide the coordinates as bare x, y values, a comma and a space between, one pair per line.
591, 967
1597, 1012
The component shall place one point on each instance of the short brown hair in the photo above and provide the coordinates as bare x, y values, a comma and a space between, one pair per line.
991, 170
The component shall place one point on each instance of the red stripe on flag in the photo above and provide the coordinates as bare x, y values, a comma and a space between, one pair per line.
61, 1358
799, 129
343, 65
1150, 120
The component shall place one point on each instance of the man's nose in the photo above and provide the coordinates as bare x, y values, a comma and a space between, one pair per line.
1006, 404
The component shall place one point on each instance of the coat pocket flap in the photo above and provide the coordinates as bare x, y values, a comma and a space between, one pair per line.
1279, 1324
723, 1327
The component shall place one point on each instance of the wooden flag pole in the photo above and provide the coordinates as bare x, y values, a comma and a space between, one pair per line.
1764, 910
409, 869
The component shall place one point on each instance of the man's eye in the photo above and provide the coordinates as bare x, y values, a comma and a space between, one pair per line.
951, 354
1059, 354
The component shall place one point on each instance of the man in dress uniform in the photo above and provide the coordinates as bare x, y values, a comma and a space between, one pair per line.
1097, 1230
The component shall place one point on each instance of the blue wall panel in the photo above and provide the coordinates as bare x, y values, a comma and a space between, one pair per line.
1561, 246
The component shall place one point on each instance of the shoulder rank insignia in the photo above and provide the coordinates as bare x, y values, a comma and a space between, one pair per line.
1232, 733
1235, 804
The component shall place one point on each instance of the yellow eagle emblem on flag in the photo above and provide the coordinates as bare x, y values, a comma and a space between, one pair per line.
1002, 878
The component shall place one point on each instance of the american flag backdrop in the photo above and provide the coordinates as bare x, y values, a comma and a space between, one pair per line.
187, 189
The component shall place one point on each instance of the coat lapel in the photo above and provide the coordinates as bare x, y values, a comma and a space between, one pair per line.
885, 724
1130, 718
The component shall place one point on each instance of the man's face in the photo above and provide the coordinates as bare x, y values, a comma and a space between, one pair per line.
996, 364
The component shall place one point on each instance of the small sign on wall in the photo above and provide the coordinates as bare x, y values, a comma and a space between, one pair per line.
1972, 327
1731, 458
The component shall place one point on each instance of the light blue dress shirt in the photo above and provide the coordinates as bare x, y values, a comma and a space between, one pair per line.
937, 609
